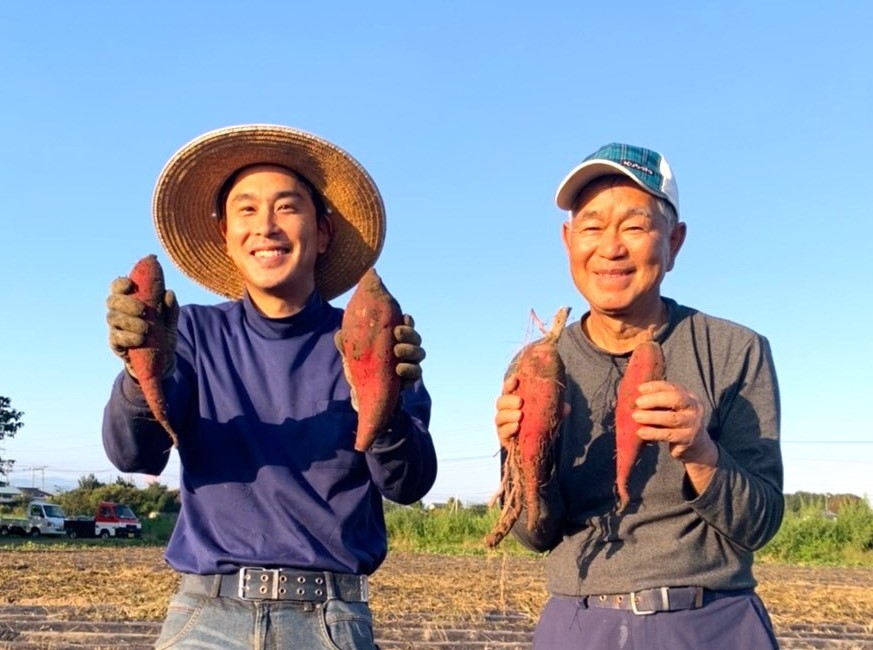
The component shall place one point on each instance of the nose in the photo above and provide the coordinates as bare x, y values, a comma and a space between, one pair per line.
265, 220
611, 245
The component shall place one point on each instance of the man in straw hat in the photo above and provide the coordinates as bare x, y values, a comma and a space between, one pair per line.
671, 565
281, 519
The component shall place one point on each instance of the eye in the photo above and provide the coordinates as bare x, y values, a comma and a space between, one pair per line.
586, 227
287, 206
245, 209
640, 224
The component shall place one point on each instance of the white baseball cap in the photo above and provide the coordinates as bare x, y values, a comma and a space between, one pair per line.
647, 168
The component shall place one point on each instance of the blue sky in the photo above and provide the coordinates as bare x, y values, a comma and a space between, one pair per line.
467, 115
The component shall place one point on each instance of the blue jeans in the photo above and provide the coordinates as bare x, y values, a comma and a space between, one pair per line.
737, 622
205, 622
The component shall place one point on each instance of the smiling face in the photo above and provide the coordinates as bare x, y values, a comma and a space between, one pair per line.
274, 237
620, 246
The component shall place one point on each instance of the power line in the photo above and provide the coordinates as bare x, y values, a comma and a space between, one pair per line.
827, 442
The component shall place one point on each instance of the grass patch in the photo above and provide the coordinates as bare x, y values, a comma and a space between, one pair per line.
449, 531
812, 535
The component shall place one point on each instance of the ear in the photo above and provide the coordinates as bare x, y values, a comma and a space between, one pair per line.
222, 228
677, 238
325, 232
565, 235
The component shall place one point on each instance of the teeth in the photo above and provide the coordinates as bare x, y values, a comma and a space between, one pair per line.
269, 253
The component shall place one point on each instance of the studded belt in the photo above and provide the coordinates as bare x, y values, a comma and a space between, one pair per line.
257, 583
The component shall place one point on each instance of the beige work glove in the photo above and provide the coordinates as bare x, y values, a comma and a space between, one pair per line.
127, 327
407, 350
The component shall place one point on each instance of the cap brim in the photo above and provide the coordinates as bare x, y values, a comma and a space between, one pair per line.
588, 171
186, 192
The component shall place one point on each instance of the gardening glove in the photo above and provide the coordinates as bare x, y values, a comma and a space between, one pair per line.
127, 327
407, 350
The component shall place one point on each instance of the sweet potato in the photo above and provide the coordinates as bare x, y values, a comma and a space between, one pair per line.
526, 464
645, 364
367, 343
150, 359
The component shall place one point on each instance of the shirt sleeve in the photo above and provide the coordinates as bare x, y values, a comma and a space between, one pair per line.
133, 440
744, 500
402, 460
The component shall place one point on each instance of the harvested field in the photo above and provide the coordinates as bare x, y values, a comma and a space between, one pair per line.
115, 597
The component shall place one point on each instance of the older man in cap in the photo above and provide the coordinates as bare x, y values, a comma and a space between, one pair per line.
281, 519
672, 568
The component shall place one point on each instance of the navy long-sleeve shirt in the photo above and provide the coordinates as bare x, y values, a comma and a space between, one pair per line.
266, 431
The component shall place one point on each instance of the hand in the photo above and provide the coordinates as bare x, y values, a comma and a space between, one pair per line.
508, 418
670, 413
408, 351
127, 327
509, 414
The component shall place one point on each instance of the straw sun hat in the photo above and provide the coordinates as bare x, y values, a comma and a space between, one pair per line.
187, 188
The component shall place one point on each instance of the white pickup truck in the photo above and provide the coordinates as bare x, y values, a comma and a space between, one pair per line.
40, 518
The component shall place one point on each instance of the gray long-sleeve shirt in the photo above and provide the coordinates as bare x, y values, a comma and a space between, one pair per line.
668, 535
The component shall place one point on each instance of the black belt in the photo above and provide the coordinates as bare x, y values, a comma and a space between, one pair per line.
651, 601
256, 583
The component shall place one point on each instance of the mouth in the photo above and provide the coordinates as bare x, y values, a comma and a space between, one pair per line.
271, 252
614, 273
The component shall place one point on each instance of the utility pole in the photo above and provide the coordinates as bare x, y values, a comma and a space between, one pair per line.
33, 469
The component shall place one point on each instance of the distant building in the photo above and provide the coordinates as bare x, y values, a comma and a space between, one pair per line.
9, 494
31, 493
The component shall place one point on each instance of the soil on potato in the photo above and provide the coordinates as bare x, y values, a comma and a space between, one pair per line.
132, 583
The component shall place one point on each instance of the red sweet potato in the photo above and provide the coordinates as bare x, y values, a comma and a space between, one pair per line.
541, 382
645, 364
367, 343
526, 466
150, 359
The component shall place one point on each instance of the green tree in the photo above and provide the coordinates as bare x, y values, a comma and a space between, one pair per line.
84, 499
10, 423
89, 483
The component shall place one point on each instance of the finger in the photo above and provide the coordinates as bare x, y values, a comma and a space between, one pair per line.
408, 320
125, 304
120, 321
506, 432
406, 334
507, 416
409, 353
662, 419
509, 402
121, 341
121, 285
660, 394
408, 372
657, 387
510, 384
170, 303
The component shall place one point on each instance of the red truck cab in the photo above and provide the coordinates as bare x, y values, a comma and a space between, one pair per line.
111, 520
117, 519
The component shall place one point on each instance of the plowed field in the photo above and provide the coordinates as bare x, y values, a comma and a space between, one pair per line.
116, 596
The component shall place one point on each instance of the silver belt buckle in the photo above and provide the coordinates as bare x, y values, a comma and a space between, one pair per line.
645, 612
365, 589
263, 590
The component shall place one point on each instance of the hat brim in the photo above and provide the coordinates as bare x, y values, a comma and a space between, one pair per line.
186, 192
588, 171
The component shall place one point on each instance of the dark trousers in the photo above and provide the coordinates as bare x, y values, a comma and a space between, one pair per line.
736, 622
